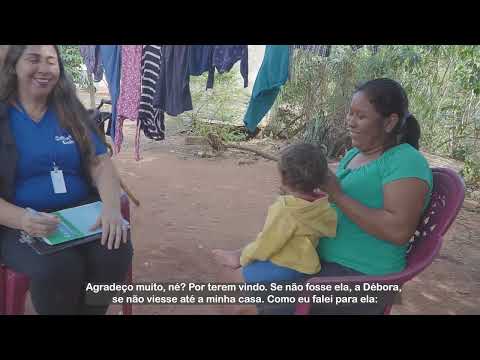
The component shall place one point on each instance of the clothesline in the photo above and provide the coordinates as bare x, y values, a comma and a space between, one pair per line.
147, 81
275, 71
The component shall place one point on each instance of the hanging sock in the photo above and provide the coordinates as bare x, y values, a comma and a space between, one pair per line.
374, 49
223, 59
320, 50
271, 77
92, 60
111, 59
356, 47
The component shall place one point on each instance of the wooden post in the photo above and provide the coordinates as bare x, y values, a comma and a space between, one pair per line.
91, 90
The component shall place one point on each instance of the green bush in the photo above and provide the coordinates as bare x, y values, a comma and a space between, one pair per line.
224, 104
442, 82
73, 64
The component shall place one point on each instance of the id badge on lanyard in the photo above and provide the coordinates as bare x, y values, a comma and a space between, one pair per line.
58, 181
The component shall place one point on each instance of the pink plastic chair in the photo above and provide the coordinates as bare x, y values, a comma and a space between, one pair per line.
14, 286
447, 199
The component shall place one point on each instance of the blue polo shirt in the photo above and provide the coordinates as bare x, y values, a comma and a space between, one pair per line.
39, 146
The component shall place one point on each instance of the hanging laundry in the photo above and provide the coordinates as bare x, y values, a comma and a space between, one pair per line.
223, 59
271, 77
130, 87
321, 50
356, 47
150, 119
200, 59
172, 91
92, 60
111, 59
374, 49
324, 50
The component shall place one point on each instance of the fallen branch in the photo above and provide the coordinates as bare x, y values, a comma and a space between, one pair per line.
258, 152
218, 145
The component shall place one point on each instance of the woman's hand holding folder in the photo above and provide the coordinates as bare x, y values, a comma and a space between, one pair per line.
114, 228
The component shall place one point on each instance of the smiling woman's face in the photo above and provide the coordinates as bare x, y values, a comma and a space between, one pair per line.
37, 71
364, 123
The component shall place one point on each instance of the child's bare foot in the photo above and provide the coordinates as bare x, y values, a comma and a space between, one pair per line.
229, 258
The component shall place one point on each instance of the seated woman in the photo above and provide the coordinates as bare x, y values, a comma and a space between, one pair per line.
52, 158
381, 188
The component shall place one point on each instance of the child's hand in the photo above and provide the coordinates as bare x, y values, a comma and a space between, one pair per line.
331, 186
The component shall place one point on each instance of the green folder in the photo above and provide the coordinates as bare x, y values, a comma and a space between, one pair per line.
76, 223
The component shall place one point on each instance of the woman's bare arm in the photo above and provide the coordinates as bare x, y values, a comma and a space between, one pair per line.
397, 221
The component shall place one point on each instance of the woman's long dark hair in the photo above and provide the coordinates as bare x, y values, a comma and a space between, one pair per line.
388, 97
72, 115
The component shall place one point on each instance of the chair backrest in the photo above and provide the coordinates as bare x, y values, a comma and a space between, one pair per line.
447, 199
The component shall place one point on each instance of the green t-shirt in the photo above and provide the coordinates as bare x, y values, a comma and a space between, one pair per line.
353, 247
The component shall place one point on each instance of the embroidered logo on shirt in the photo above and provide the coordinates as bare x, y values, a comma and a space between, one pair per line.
66, 140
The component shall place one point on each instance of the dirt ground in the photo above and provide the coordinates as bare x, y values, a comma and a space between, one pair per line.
190, 205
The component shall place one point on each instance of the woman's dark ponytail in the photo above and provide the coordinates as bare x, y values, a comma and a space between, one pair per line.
411, 132
388, 97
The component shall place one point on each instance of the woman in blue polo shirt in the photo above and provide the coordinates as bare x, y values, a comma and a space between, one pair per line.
53, 158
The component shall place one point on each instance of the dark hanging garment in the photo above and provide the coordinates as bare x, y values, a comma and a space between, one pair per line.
172, 91
374, 49
92, 60
200, 59
319, 50
150, 118
356, 47
223, 59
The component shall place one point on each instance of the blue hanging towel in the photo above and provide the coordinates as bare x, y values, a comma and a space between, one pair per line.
111, 59
273, 74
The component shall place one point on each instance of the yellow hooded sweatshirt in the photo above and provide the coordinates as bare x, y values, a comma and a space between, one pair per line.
291, 232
